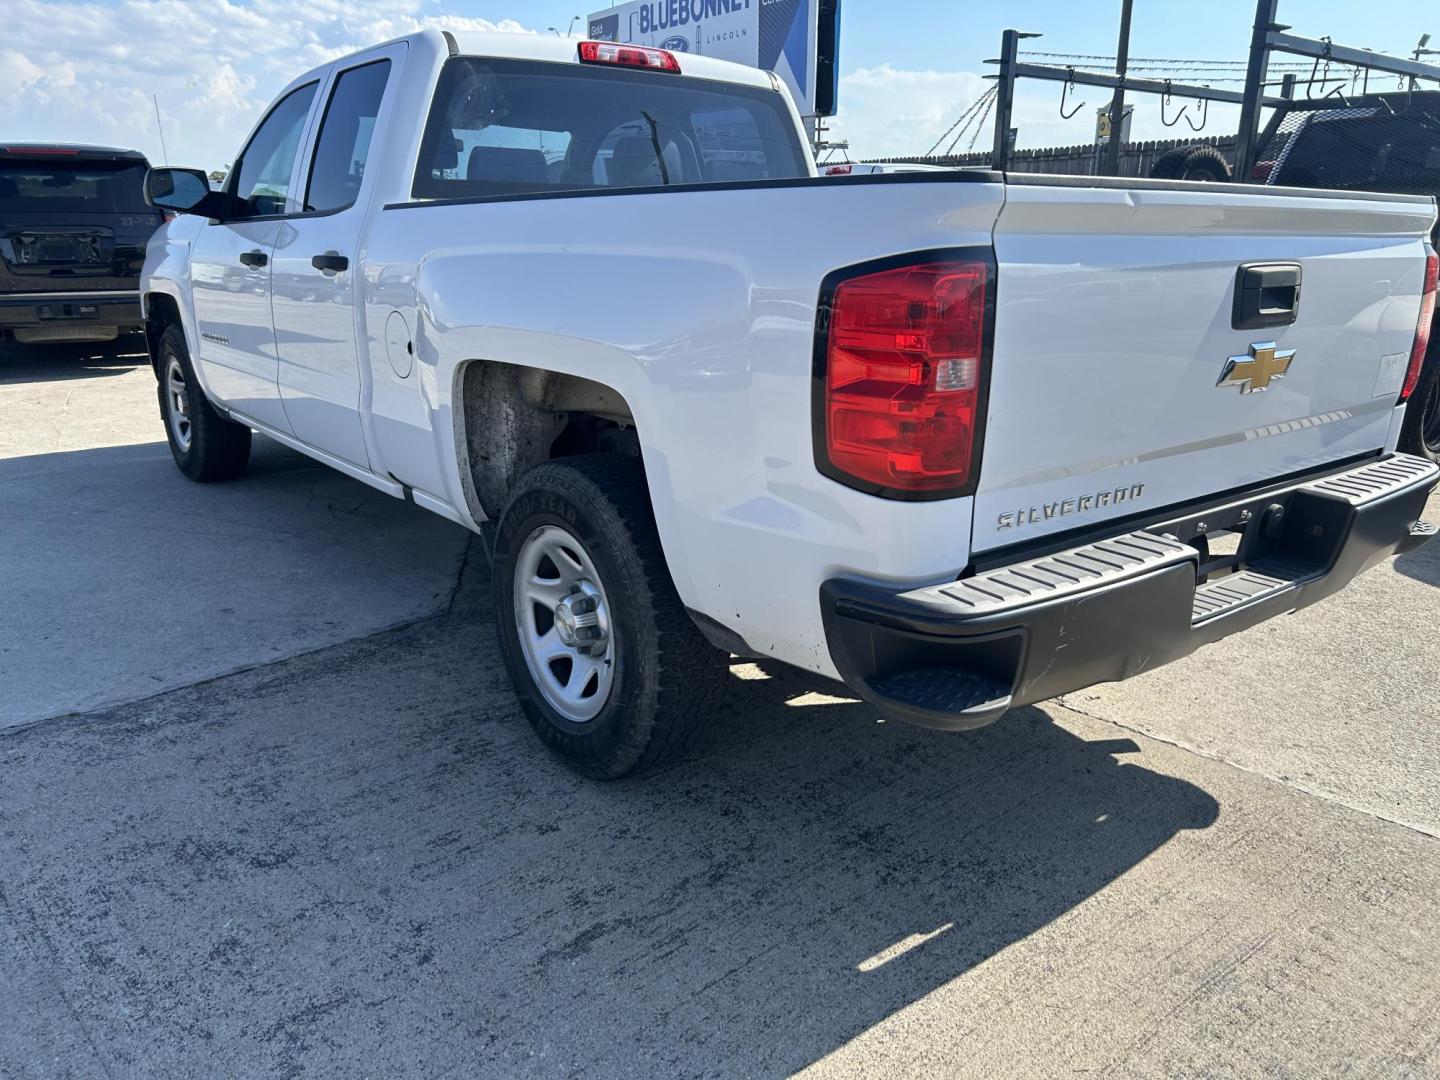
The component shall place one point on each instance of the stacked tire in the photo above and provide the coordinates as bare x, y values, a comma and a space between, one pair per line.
1199, 163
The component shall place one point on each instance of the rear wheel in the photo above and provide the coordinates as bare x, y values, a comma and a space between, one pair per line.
607, 665
1421, 433
204, 444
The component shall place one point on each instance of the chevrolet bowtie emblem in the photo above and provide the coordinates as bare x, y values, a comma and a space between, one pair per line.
1253, 373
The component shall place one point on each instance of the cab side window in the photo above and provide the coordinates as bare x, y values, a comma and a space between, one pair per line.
344, 143
262, 183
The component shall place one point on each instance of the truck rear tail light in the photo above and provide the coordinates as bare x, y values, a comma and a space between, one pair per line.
902, 354
1427, 322
637, 56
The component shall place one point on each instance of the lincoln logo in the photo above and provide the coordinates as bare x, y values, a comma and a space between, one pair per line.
1255, 372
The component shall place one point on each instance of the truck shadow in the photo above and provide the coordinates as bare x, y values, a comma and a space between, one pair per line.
1422, 564
361, 860
113, 559
62, 361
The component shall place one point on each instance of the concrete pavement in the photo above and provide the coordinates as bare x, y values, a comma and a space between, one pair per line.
1342, 699
354, 859
123, 579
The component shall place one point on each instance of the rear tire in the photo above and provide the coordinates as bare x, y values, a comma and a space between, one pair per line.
578, 560
205, 445
1421, 434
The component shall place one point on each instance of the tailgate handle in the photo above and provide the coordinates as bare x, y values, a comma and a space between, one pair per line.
1266, 294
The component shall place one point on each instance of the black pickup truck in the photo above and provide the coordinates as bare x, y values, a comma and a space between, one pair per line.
1374, 142
73, 229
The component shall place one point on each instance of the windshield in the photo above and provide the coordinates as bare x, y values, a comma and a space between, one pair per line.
509, 127
70, 186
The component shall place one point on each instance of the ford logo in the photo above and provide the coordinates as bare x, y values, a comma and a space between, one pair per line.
676, 44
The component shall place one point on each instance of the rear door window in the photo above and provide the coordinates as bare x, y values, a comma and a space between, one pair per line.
343, 146
59, 187
501, 127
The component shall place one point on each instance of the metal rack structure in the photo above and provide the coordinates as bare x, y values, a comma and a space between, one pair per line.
1268, 37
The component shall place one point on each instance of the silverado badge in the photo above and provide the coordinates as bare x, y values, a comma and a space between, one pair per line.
1253, 372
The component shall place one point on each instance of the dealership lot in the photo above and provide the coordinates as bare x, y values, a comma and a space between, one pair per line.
267, 806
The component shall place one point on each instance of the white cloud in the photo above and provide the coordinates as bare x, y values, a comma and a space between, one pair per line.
17, 71
84, 71
885, 111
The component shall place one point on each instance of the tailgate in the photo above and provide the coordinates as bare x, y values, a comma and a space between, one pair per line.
1120, 384
72, 252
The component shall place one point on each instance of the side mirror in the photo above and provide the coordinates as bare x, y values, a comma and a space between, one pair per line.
183, 191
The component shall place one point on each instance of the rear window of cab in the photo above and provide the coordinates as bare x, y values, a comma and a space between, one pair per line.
504, 127
46, 185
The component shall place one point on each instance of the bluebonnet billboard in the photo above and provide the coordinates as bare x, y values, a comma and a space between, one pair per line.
776, 35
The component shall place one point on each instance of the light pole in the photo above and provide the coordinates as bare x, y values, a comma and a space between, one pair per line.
1421, 50
1117, 103
568, 30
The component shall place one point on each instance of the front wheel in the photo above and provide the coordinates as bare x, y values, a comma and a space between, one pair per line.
607, 665
204, 444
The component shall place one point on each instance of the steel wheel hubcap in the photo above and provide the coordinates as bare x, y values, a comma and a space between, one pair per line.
563, 620
178, 395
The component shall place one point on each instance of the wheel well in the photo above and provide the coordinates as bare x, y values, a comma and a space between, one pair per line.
160, 311
514, 417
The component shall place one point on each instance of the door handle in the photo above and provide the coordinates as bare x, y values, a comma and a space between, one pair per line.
1266, 295
331, 262
254, 258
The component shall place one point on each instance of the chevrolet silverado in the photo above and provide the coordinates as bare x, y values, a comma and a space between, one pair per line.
962, 440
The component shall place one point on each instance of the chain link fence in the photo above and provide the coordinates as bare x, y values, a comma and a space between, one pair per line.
1378, 142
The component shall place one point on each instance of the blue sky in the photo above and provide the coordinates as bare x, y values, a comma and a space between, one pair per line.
86, 69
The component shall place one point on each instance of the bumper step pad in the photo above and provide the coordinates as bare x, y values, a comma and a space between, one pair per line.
1246, 587
1371, 482
1054, 576
943, 690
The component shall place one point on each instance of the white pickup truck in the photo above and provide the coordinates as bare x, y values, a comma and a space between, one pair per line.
962, 440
